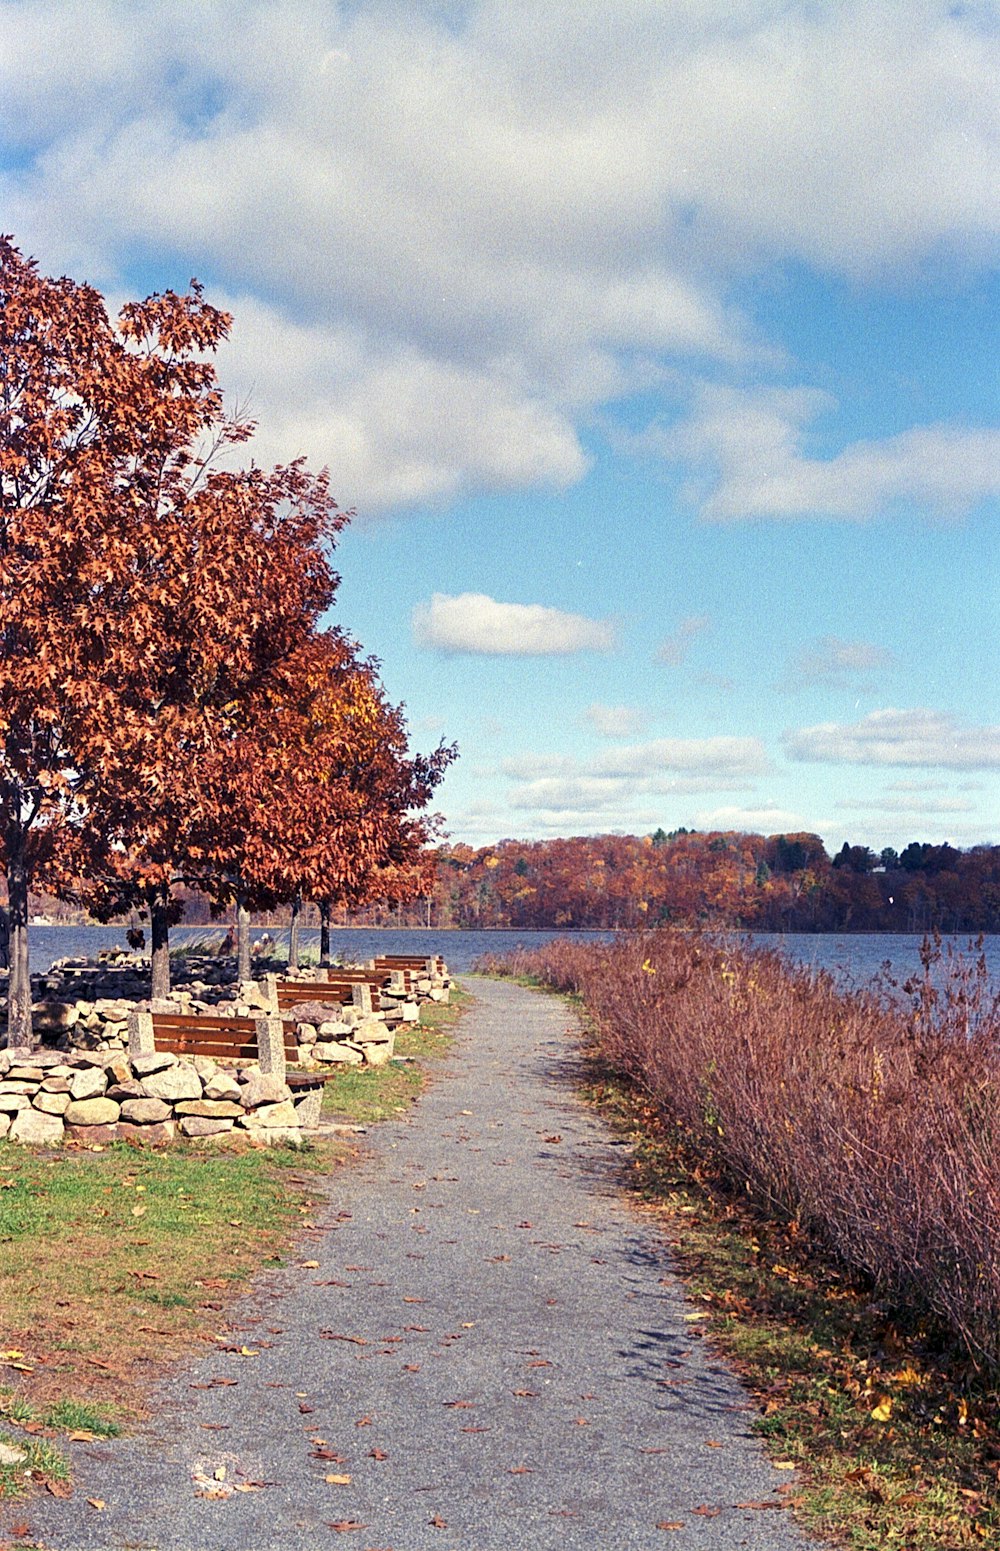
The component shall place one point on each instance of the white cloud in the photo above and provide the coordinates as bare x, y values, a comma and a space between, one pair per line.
918, 737
615, 721
477, 624
832, 661
674, 650
914, 805
747, 448
485, 230
695, 756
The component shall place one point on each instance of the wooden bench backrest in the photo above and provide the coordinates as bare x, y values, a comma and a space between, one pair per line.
291, 992
224, 1039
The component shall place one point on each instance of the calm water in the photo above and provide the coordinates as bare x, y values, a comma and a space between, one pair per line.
853, 959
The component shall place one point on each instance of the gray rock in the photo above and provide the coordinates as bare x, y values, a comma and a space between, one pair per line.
13, 1103
212, 1109
173, 1083
145, 1112
91, 1083
52, 1103
263, 1089
155, 1061
222, 1086
36, 1128
348, 1055
92, 1112
155, 1135
18, 1087
267, 1115
204, 1126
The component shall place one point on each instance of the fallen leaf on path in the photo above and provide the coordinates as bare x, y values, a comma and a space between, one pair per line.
783, 1464
345, 1526
437, 1521
96, 1502
475, 1429
80, 1436
363, 1421
377, 1454
252, 1486
689, 1319
20, 1530
329, 1456
215, 1427
670, 1524
521, 1470
411, 1367
306, 1410
329, 1335
58, 1488
309, 1265
711, 1443
526, 1394
337, 1480
704, 1512
762, 1504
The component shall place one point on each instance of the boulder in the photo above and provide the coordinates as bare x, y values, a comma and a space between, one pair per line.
348, 1055
145, 1112
13, 1103
91, 1112
222, 1086
211, 1109
266, 1115
263, 1088
52, 1103
378, 1054
133, 1089
93, 1136
203, 1125
90, 1083
173, 1083
154, 1061
371, 1031
36, 1128
155, 1135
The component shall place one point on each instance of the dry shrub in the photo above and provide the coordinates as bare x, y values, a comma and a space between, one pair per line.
870, 1119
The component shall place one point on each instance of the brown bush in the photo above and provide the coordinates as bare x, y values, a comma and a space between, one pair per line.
869, 1119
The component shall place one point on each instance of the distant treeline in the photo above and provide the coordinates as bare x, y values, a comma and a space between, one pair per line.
771, 883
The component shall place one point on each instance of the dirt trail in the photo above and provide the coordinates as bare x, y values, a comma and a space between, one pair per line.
491, 1348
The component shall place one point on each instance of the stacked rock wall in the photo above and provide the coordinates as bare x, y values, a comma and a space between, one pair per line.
49, 1096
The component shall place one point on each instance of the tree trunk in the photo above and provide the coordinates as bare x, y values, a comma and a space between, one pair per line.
19, 984
242, 939
324, 933
159, 934
293, 932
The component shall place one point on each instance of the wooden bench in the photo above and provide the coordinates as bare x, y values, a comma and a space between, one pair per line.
226, 1039
339, 992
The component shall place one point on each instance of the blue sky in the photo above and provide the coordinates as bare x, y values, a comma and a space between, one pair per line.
654, 345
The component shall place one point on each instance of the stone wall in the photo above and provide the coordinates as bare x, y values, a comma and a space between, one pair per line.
49, 1096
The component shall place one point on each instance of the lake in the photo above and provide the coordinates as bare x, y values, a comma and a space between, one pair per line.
854, 959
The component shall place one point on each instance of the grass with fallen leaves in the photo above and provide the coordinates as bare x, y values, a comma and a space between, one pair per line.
894, 1439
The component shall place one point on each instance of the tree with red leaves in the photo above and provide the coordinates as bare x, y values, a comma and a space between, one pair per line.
140, 587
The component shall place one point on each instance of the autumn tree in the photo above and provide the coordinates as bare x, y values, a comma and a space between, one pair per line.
88, 413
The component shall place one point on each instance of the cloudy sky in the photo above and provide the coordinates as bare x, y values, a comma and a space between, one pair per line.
655, 345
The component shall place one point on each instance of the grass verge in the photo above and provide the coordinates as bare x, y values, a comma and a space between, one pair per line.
895, 1441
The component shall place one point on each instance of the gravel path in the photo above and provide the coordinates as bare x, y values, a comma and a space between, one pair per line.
491, 1351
